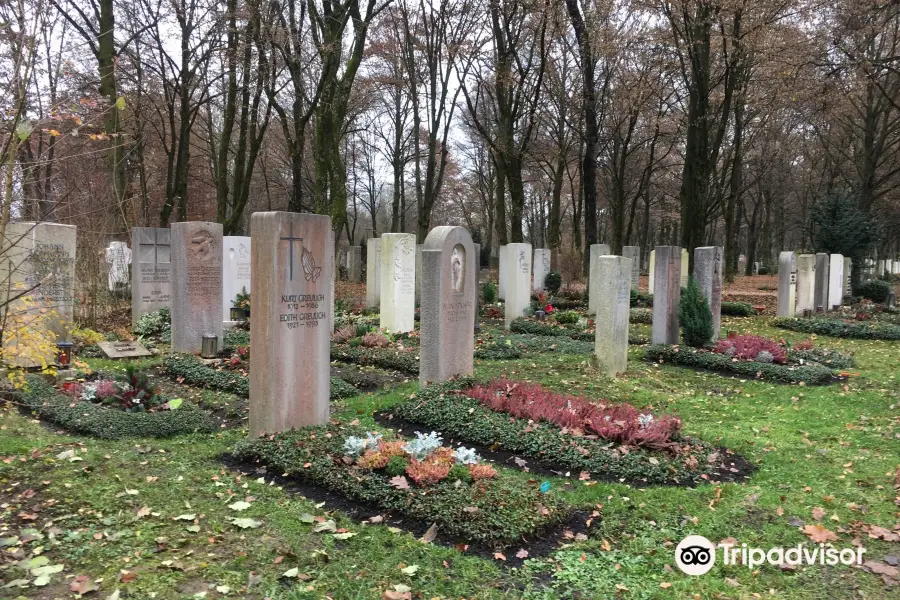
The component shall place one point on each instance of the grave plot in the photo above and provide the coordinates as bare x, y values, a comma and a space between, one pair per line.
528, 426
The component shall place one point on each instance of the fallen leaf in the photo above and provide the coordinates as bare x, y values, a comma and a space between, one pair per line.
187, 517
523, 553
499, 556
328, 526
399, 482
430, 535
239, 506
246, 523
819, 534
410, 570
818, 513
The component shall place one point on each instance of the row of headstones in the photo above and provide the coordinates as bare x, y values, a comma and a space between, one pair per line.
811, 283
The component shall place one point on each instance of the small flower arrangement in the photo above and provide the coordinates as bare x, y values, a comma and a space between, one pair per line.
131, 393
424, 460
242, 300
750, 347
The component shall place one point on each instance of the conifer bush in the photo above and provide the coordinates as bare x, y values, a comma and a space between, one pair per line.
695, 316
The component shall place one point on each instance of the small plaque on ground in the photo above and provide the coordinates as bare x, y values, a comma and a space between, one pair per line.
123, 350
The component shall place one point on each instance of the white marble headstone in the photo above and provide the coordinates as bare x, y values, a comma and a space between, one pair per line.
235, 271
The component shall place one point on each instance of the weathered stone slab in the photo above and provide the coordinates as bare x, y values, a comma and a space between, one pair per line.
151, 271
821, 285
633, 253
685, 262
419, 248
118, 259
848, 279
235, 271
373, 272
611, 337
518, 281
123, 350
806, 283
879, 269
594, 281
835, 281
449, 293
541, 267
667, 295
708, 274
196, 284
38, 290
501, 273
398, 282
787, 283
651, 272
354, 264
293, 299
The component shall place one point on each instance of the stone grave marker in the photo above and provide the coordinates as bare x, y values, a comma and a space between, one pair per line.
116, 350
835, 281
685, 262
398, 282
614, 302
806, 283
293, 299
787, 283
667, 295
151, 271
708, 274
235, 271
821, 283
373, 272
848, 280
518, 281
651, 272
419, 248
541, 266
634, 253
449, 293
197, 284
354, 267
594, 281
501, 273
118, 259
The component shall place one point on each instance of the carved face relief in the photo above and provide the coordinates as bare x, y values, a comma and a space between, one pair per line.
202, 245
457, 268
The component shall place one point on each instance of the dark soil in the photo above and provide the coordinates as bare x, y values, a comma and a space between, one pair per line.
368, 379
542, 543
734, 468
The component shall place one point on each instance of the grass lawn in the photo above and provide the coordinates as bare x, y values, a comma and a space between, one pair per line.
166, 519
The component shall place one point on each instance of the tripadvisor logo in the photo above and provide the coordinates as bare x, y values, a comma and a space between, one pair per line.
695, 555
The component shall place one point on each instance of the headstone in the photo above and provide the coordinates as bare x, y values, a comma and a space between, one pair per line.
835, 281
614, 302
477, 258
501, 274
889, 266
879, 269
787, 283
666, 295
634, 253
708, 274
118, 257
235, 271
651, 272
891, 301
37, 272
685, 261
821, 286
848, 279
419, 248
151, 271
373, 272
594, 281
449, 293
197, 284
541, 267
518, 280
116, 350
293, 298
742, 264
398, 282
354, 266
755, 270
806, 283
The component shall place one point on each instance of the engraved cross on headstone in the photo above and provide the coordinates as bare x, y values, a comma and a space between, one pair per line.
290, 240
156, 246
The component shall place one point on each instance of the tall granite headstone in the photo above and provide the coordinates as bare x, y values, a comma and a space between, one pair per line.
806, 283
449, 294
501, 273
37, 272
151, 271
821, 285
634, 253
666, 295
541, 267
651, 272
118, 259
196, 284
354, 266
685, 262
611, 334
787, 283
879, 269
293, 298
419, 248
518, 281
708, 274
848, 280
398, 282
594, 281
235, 271
373, 272
835, 281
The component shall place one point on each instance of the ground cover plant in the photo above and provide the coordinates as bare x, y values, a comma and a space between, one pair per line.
605, 440
426, 481
839, 328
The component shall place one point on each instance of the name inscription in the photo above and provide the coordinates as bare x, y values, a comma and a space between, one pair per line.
301, 310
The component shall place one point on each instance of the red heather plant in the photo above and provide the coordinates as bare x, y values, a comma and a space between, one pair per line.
378, 459
427, 471
482, 471
618, 423
344, 334
375, 339
106, 389
747, 347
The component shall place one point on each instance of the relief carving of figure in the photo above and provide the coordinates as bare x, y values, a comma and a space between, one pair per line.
202, 245
457, 269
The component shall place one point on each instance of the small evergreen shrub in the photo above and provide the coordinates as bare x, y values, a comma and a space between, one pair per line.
839, 328
553, 281
695, 316
235, 338
763, 270
489, 292
568, 317
875, 290
155, 325
641, 299
737, 309
641, 315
